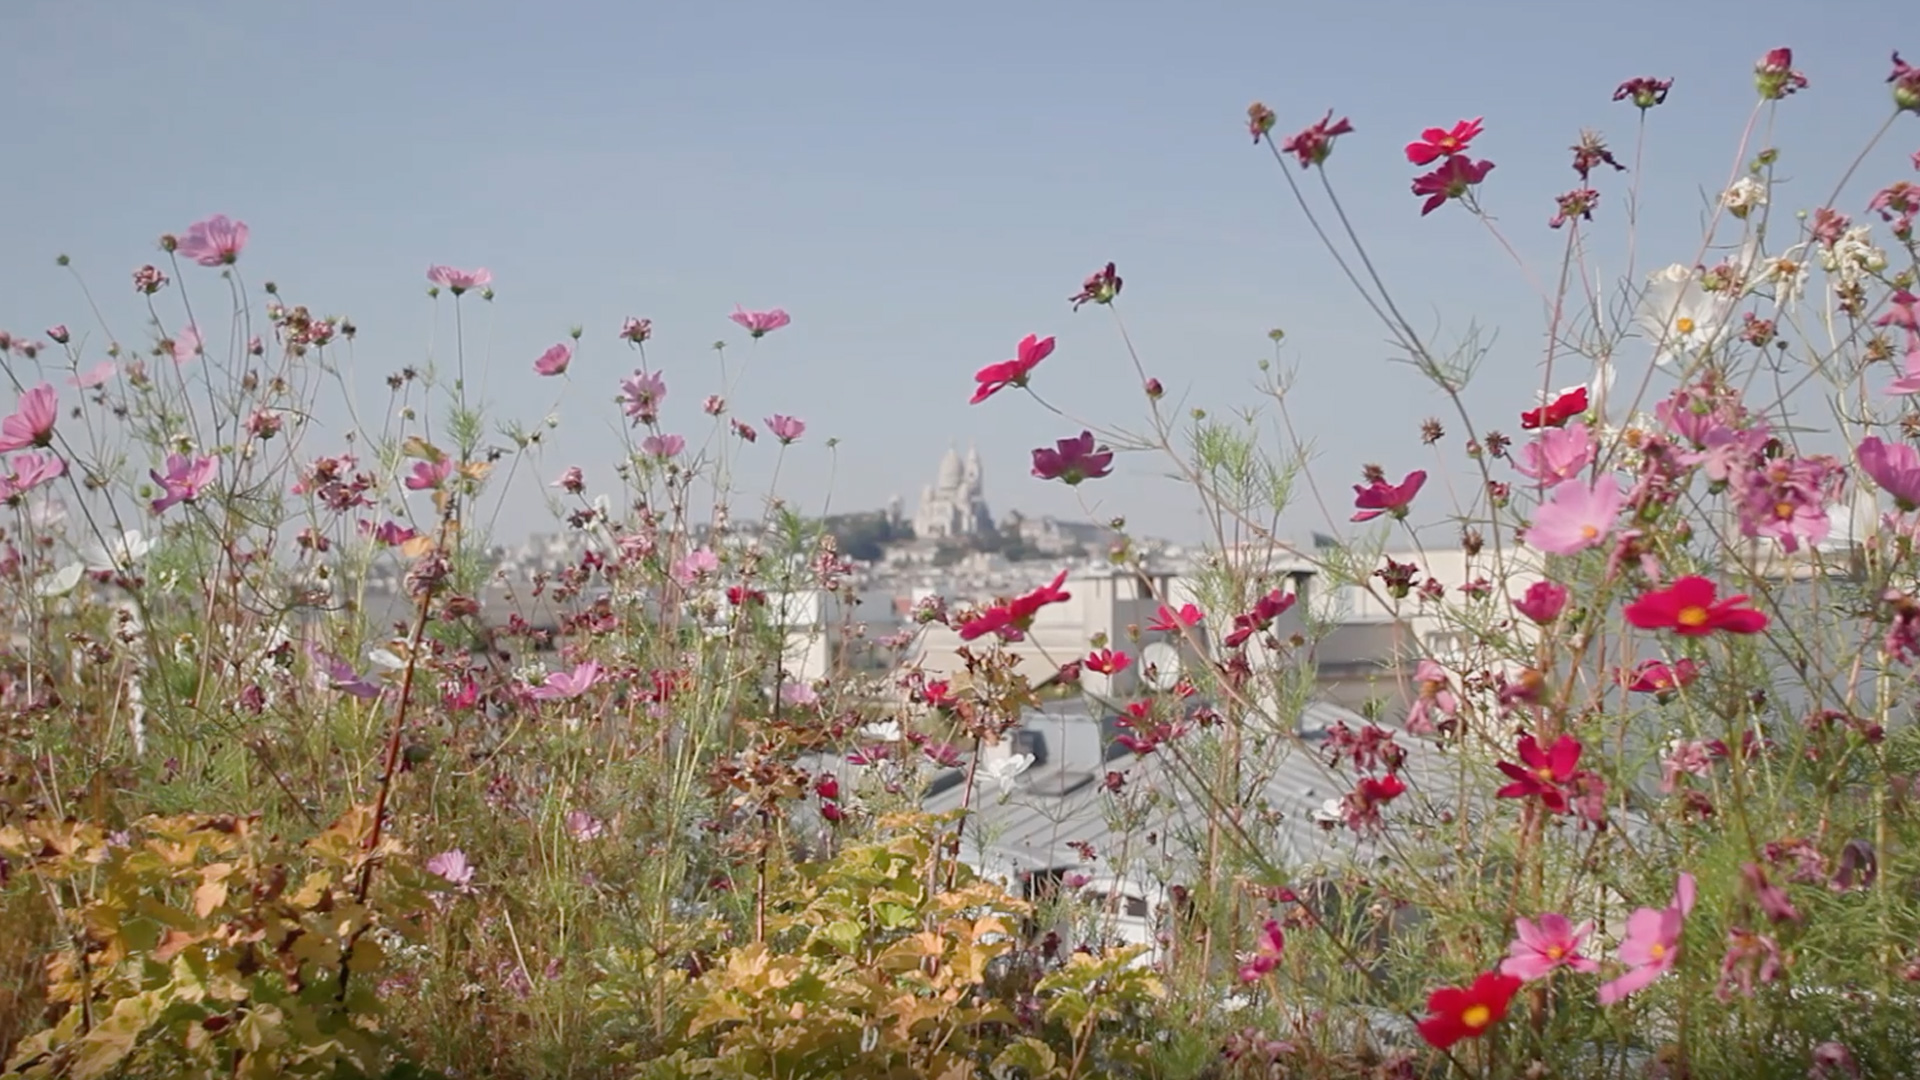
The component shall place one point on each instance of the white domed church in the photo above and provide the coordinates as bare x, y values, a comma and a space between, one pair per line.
955, 505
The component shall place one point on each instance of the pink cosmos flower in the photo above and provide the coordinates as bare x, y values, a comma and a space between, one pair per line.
58, 334
694, 565
1168, 620
31, 470
1435, 698
1775, 77
1540, 948
337, 674
187, 344
1750, 957
1436, 143
1543, 602
1787, 499
459, 281
1558, 455
1652, 943
997, 377
32, 421
635, 331
641, 394
554, 361
1645, 91
1380, 497
1267, 950
453, 866
714, 405
583, 826
95, 375
663, 446
1893, 466
1452, 180
1543, 772
1579, 516
184, 480
573, 481
787, 429
214, 242
429, 475
759, 323
565, 685
1313, 145
1073, 460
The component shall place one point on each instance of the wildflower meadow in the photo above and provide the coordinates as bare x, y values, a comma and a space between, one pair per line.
293, 783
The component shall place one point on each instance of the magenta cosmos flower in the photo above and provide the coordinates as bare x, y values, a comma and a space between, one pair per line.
1560, 454
1540, 947
32, 421
1314, 144
1652, 943
663, 446
554, 361
214, 242
994, 378
1893, 466
759, 323
641, 394
787, 429
1452, 180
1380, 497
185, 478
457, 281
564, 685
1073, 460
1436, 143
1579, 516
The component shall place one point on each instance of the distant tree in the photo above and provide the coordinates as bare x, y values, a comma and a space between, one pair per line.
865, 536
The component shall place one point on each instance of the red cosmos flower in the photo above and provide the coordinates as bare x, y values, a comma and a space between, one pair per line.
1381, 497
1106, 661
1073, 460
1452, 180
1655, 677
1645, 92
1906, 85
997, 377
1557, 412
1265, 610
1013, 619
1313, 145
1169, 620
1100, 287
1688, 607
1774, 76
1543, 602
1455, 1013
1543, 772
1436, 143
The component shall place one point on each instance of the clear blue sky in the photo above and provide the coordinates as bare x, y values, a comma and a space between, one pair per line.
918, 184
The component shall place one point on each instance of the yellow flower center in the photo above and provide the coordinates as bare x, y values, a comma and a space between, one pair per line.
1691, 616
1656, 950
1589, 532
1543, 772
1476, 1016
1783, 510
1555, 952
1684, 325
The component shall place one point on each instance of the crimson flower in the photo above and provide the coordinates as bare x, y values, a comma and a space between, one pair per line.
1265, 610
1689, 607
1456, 1013
1644, 92
1906, 85
1558, 411
1436, 143
1167, 619
997, 377
1452, 180
1775, 77
1073, 460
1543, 602
1655, 677
1014, 618
1268, 948
1381, 497
1542, 772
1106, 662
1315, 143
1100, 287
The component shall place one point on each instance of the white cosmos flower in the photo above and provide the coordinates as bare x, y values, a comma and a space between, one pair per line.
1745, 194
60, 582
1787, 273
1681, 317
886, 731
1853, 256
1003, 770
122, 554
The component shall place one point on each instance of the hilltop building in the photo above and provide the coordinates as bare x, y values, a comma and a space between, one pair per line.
954, 506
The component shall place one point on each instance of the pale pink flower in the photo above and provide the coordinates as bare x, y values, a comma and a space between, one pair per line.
1749, 958
663, 446
32, 421
452, 865
1579, 516
694, 565
1540, 947
30, 470
97, 375
799, 693
554, 361
636, 330
429, 475
185, 478
759, 323
459, 281
714, 405
1893, 466
583, 826
58, 334
573, 481
214, 242
187, 344
785, 428
641, 394
1558, 455
1652, 944
1434, 698
564, 685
